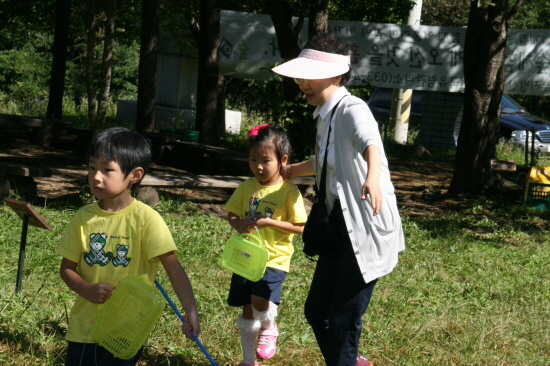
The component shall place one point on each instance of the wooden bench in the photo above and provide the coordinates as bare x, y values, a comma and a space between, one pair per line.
42, 129
206, 181
20, 178
207, 159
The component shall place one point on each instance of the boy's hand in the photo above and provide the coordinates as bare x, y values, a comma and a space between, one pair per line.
98, 293
191, 325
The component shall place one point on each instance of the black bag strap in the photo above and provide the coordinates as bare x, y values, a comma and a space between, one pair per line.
321, 190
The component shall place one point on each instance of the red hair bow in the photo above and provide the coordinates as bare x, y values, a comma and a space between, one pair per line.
254, 130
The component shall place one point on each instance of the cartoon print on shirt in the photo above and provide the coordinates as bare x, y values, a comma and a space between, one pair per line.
254, 203
121, 259
97, 255
269, 212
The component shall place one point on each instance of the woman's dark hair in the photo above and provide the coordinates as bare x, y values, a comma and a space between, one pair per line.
271, 137
126, 147
326, 42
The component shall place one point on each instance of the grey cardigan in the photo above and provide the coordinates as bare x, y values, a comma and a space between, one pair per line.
376, 240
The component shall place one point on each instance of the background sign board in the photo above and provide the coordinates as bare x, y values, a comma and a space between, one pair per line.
388, 55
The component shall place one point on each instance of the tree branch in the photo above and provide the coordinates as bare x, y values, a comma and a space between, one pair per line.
513, 12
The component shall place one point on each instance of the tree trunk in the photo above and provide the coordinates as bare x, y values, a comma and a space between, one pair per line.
145, 119
59, 59
208, 115
318, 17
106, 66
90, 60
287, 40
484, 52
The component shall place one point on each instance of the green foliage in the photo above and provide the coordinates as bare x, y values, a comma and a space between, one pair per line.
481, 3
389, 11
265, 103
25, 72
510, 151
445, 13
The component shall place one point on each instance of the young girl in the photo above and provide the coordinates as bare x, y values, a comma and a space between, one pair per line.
274, 207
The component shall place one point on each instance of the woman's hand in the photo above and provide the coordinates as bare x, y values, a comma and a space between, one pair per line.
373, 190
285, 171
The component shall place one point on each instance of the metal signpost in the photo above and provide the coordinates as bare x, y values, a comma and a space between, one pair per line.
30, 217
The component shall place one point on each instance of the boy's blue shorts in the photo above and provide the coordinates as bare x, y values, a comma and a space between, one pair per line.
269, 287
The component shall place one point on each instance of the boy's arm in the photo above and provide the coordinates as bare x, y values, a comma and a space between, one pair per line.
182, 287
96, 293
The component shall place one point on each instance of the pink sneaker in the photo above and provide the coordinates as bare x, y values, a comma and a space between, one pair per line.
362, 361
267, 342
248, 363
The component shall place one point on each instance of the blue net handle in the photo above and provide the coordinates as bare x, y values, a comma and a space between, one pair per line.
183, 321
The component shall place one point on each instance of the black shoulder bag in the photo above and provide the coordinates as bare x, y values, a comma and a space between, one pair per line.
318, 235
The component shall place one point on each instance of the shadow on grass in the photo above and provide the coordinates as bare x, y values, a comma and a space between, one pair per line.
170, 360
21, 350
19, 346
480, 220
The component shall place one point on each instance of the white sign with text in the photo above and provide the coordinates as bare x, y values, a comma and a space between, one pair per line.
388, 55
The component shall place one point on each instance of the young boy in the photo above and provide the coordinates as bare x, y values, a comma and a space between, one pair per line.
115, 237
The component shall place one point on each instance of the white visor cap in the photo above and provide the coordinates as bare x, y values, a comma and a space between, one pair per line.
313, 65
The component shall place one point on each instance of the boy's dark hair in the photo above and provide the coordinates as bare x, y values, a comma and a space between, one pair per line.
271, 137
326, 42
128, 148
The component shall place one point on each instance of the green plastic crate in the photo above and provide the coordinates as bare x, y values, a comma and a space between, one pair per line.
538, 196
188, 135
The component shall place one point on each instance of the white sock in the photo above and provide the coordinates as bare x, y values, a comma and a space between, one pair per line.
249, 331
267, 317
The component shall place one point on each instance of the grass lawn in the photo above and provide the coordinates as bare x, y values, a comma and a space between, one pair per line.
472, 288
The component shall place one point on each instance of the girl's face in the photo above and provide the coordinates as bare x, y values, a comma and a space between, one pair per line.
265, 165
318, 91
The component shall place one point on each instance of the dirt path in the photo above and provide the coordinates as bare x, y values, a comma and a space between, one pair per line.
420, 185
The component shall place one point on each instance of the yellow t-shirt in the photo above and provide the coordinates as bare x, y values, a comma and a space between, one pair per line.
108, 246
281, 202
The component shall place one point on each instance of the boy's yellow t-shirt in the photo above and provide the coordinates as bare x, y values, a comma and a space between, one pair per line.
108, 246
281, 202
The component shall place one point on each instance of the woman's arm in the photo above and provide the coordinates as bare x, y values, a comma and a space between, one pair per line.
371, 186
301, 169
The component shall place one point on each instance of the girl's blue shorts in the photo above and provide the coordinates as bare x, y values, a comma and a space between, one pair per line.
269, 287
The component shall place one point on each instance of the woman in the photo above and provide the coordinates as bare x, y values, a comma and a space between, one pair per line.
369, 236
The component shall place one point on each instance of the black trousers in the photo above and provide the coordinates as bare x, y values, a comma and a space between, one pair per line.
337, 299
92, 354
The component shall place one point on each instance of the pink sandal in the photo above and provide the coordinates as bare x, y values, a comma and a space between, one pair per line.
362, 361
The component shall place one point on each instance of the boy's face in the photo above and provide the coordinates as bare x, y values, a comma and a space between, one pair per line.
107, 180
